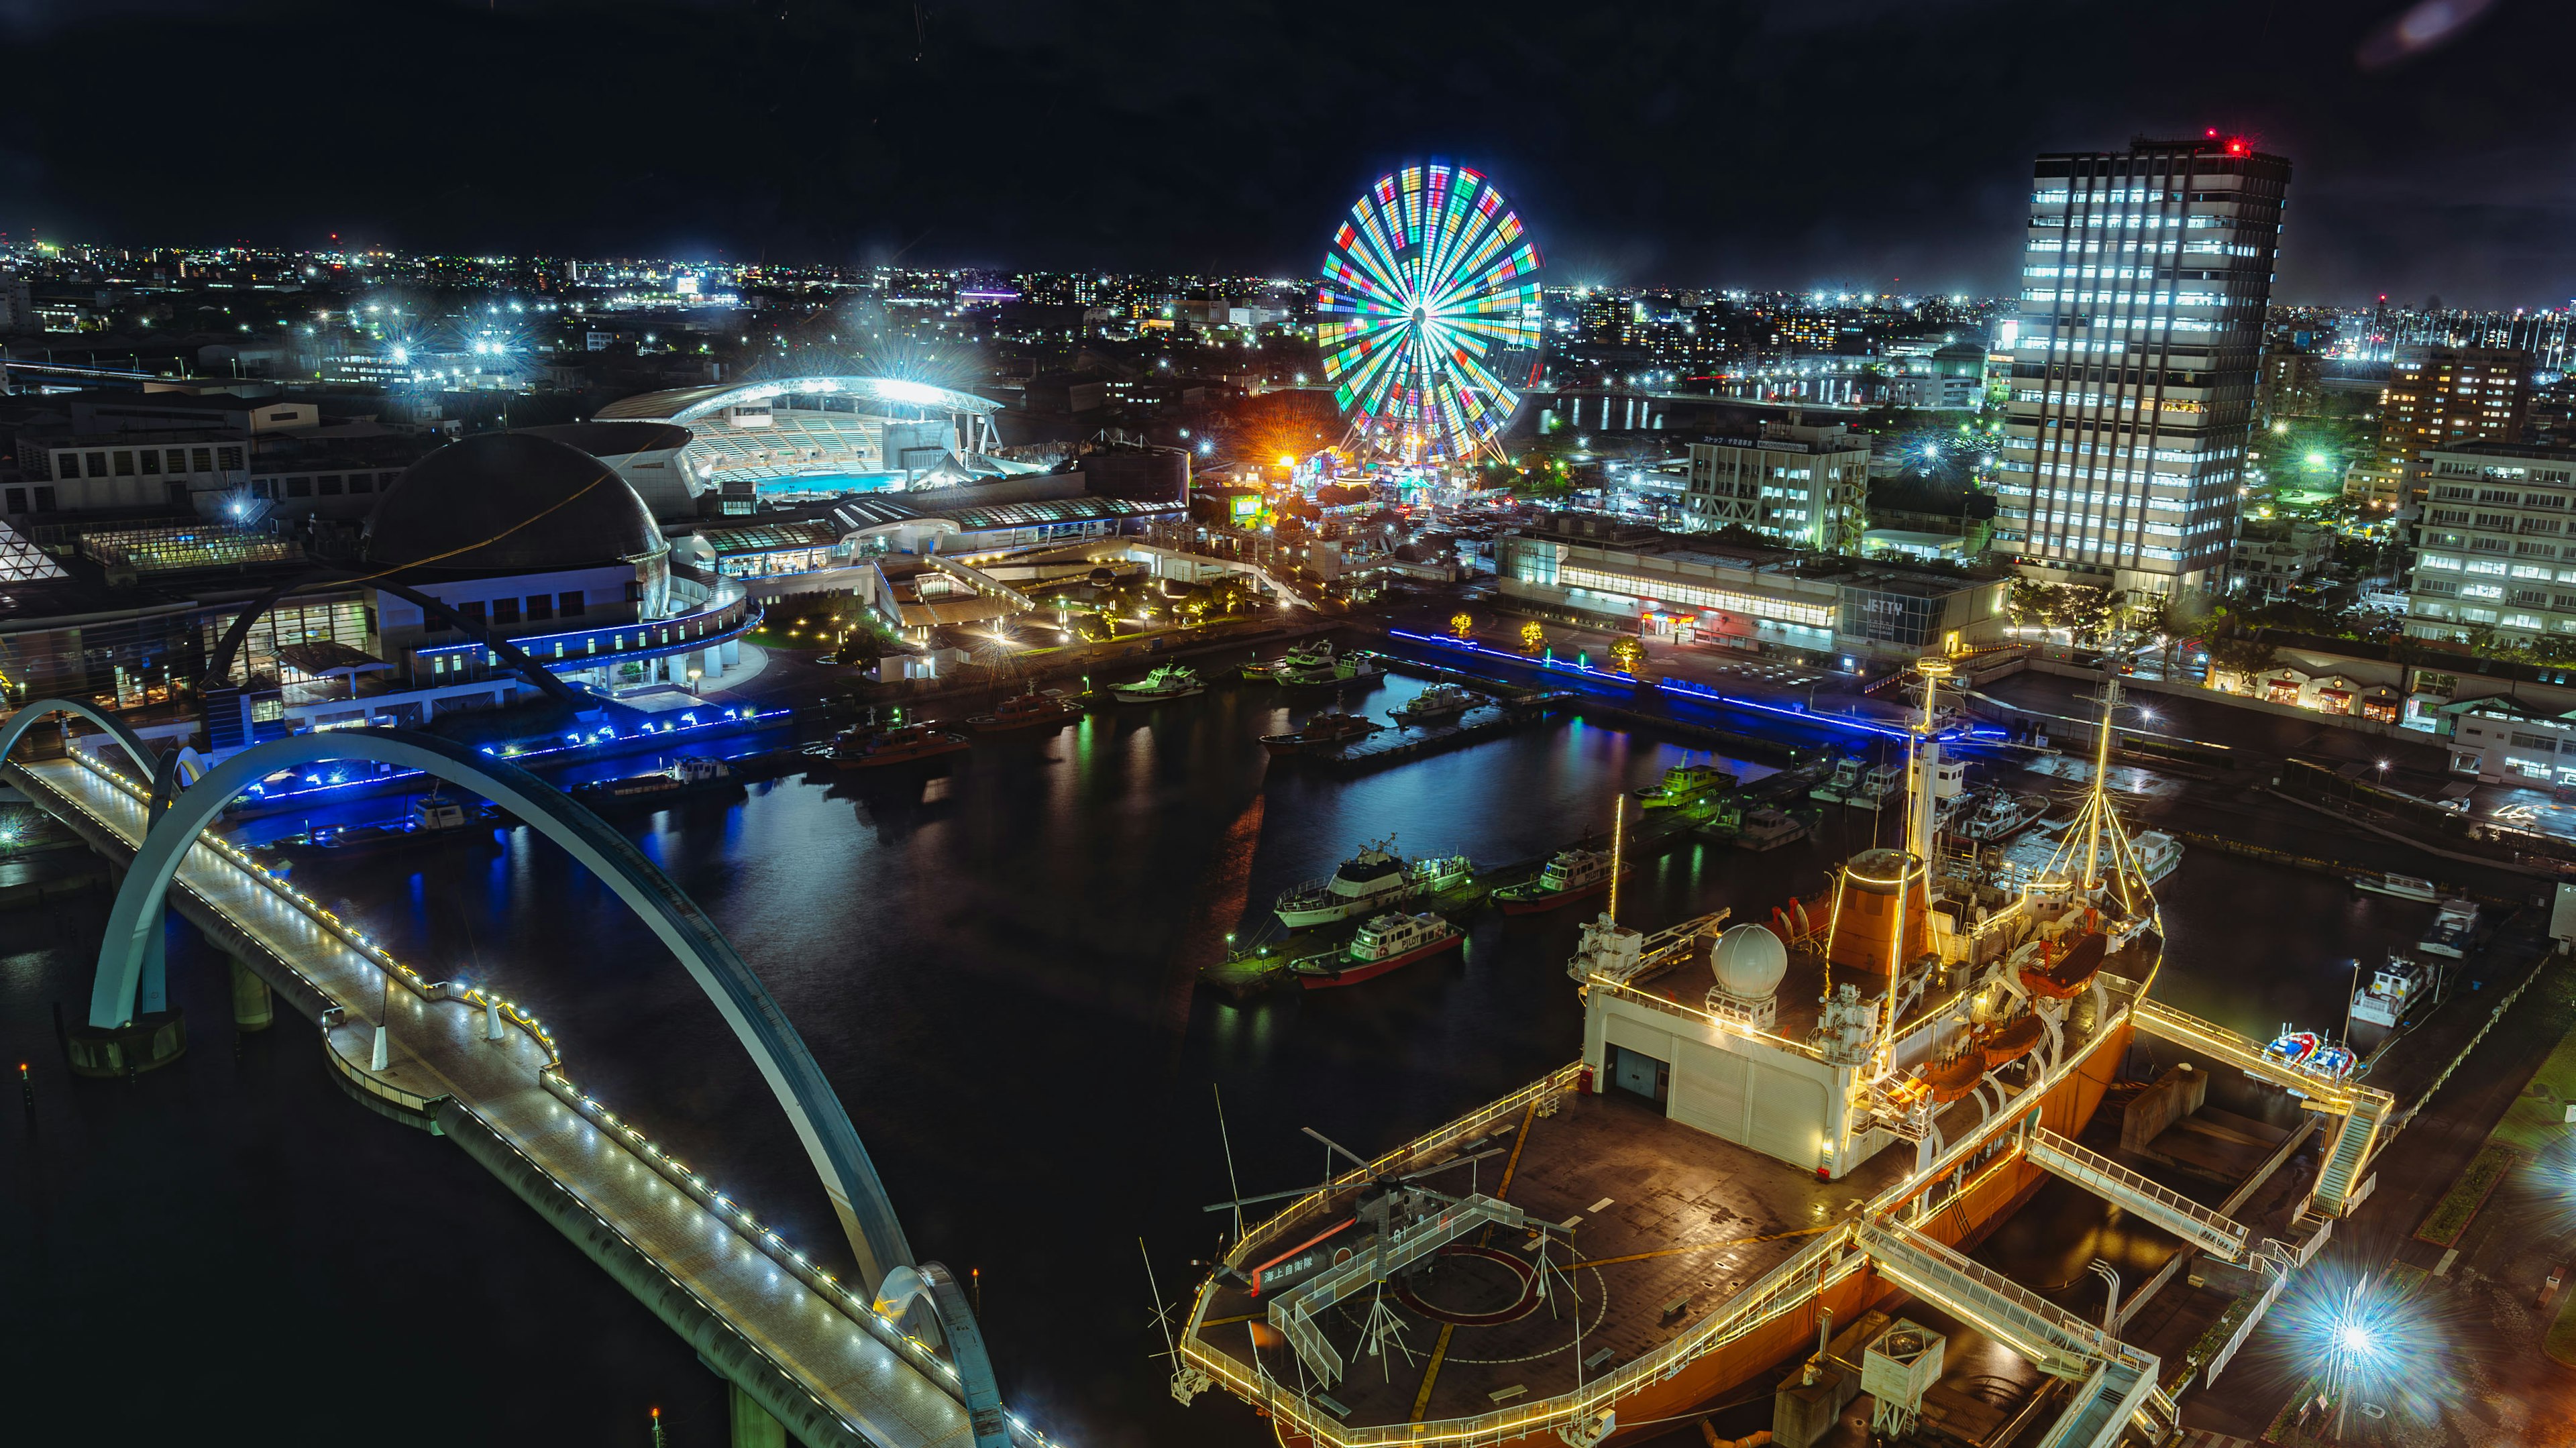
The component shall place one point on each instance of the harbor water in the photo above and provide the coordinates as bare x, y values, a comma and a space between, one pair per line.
993, 957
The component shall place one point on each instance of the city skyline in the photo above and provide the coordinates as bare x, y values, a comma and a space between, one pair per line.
1023, 138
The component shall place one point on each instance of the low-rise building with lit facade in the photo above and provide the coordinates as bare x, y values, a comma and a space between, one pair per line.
1818, 610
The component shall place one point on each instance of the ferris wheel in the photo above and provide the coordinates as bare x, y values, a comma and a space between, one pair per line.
1430, 314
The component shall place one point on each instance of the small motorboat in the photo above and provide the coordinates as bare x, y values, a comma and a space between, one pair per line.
1171, 681
1324, 731
878, 748
2293, 1048
1440, 701
1032, 710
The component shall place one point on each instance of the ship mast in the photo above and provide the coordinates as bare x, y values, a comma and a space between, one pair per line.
2099, 804
1618, 840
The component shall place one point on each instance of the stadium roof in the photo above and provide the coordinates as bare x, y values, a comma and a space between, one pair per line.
680, 404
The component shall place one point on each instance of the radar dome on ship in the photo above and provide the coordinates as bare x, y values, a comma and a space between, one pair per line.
1749, 961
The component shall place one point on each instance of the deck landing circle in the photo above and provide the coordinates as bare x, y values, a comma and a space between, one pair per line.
1521, 1272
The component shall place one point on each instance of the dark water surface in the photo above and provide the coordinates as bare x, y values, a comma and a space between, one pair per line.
993, 964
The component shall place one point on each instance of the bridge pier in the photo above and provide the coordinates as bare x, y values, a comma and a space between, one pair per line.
753, 1427
150, 1041
254, 1006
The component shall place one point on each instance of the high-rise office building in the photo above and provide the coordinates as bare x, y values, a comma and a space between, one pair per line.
2135, 360
2440, 397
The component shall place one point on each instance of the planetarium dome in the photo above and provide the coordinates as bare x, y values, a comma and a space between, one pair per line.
510, 502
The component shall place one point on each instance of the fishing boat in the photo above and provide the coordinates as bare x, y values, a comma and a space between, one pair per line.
1768, 828
878, 748
2453, 930
1440, 701
431, 819
681, 777
1171, 681
1383, 944
1734, 1075
1569, 876
1327, 730
1684, 785
1371, 880
1997, 815
2393, 990
1036, 709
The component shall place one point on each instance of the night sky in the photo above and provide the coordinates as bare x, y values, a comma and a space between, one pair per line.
1846, 143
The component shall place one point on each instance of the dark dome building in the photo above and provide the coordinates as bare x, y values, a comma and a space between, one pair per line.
512, 502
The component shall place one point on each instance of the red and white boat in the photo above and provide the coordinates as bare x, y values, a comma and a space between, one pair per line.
1383, 944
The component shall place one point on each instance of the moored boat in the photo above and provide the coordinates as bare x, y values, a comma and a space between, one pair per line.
1684, 785
1325, 731
1383, 944
2453, 931
1371, 880
679, 778
1768, 828
878, 748
431, 819
1032, 710
2393, 990
1171, 681
1998, 815
1440, 701
1568, 876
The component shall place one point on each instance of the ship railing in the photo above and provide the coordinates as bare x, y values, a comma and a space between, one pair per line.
1475, 1123
1699, 1017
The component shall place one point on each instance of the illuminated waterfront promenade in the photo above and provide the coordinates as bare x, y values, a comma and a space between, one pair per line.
807, 1349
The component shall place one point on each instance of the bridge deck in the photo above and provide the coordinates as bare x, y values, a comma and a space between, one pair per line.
438, 1050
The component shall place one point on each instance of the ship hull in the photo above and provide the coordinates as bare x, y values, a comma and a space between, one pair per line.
900, 756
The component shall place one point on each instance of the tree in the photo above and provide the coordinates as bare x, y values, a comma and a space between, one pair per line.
1533, 638
2239, 653
1627, 653
1462, 624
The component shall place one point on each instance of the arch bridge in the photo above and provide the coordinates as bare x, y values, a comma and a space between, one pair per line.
834, 1362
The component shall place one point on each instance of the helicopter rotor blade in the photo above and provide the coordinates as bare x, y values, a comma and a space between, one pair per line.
1446, 1165
1356, 1159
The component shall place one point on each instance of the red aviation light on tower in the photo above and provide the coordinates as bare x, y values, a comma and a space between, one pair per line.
2236, 147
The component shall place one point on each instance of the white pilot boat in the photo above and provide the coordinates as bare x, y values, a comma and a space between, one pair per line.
1373, 879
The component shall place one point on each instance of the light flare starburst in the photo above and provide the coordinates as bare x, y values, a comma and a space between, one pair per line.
1430, 313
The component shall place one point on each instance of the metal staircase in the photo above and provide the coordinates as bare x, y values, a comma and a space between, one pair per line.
2114, 1381
2340, 1186
2210, 1231
2111, 1393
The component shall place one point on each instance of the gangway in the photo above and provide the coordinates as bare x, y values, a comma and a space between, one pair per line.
2364, 1109
2115, 1382
2208, 1230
